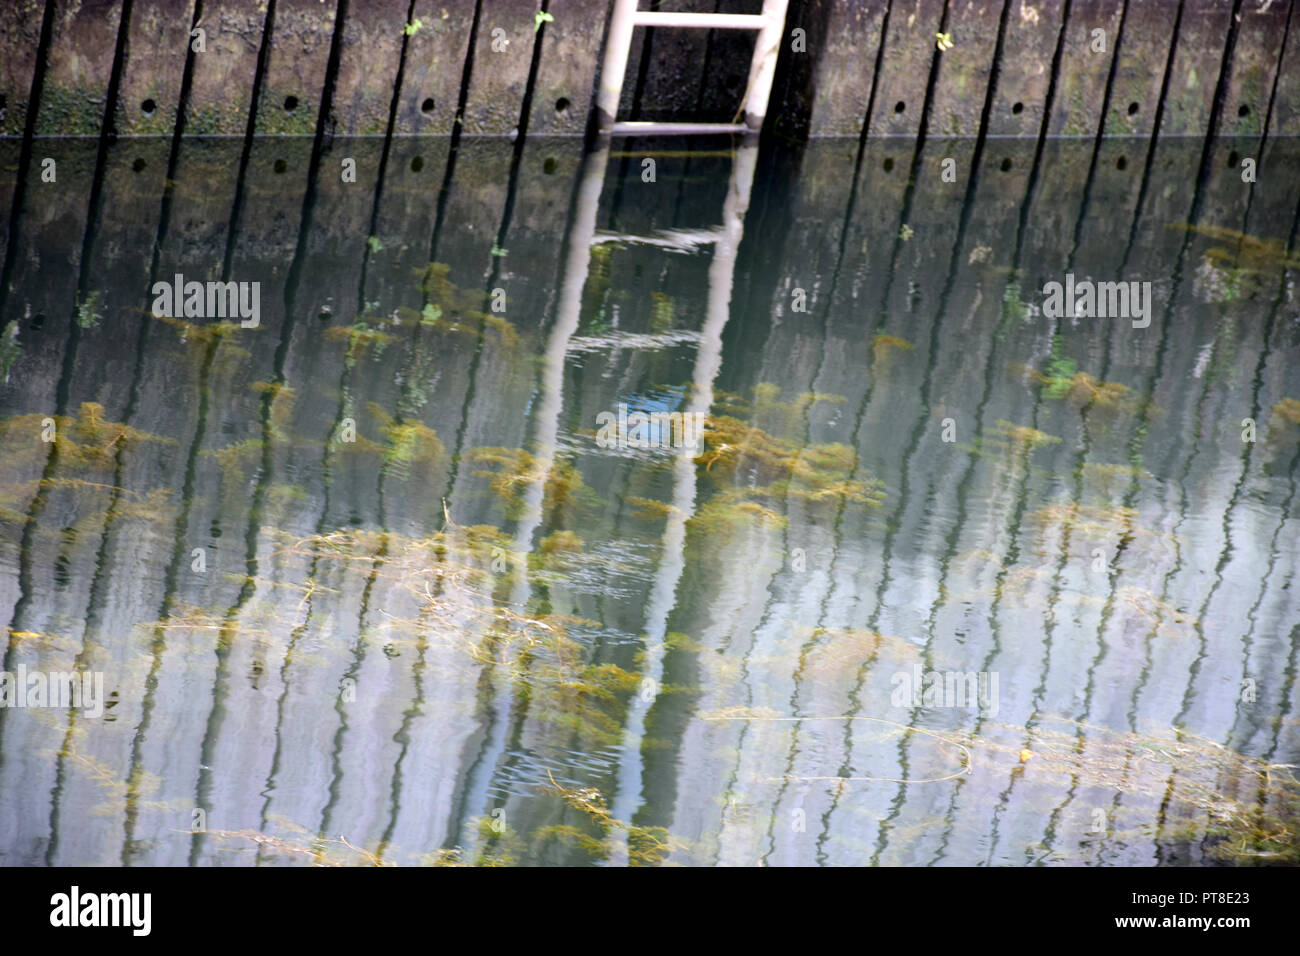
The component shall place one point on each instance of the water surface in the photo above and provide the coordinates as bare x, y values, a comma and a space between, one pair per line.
364, 586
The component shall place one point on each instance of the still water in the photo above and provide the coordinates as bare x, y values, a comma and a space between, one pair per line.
369, 577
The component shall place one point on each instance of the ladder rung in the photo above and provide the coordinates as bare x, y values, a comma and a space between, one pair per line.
639, 128
679, 239
704, 21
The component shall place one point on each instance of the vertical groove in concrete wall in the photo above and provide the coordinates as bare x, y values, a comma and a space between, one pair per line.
1089, 61
25, 27
295, 71
875, 78
504, 49
374, 38
1284, 114
250, 128
848, 35
1277, 71
385, 155
225, 72
444, 192
1224, 78
1028, 63
1197, 64
436, 58
25, 153
907, 65
526, 106
1157, 124
990, 86
566, 74
1145, 52
1100, 124
157, 48
79, 69
932, 80
326, 120
1044, 123
968, 69
1216, 107
115, 73
1251, 81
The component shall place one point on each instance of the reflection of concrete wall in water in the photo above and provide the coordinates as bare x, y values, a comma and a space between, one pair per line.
981, 558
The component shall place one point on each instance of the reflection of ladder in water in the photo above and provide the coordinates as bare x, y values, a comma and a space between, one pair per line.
770, 24
672, 560
582, 236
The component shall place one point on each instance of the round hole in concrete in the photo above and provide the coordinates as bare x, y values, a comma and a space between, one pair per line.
427, 105
290, 103
1121, 163
1243, 110
138, 165
1234, 159
38, 321
561, 104
1006, 164
147, 107
1132, 109
417, 164
1018, 108
549, 165
888, 164
280, 166
900, 106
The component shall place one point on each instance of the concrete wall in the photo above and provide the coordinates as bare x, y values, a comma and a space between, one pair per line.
368, 67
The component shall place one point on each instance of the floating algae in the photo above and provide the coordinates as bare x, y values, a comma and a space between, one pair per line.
1247, 253
1063, 380
84, 442
516, 469
751, 464
647, 846
883, 345
451, 308
1005, 439
359, 337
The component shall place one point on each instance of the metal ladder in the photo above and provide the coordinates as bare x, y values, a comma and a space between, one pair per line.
770, 24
